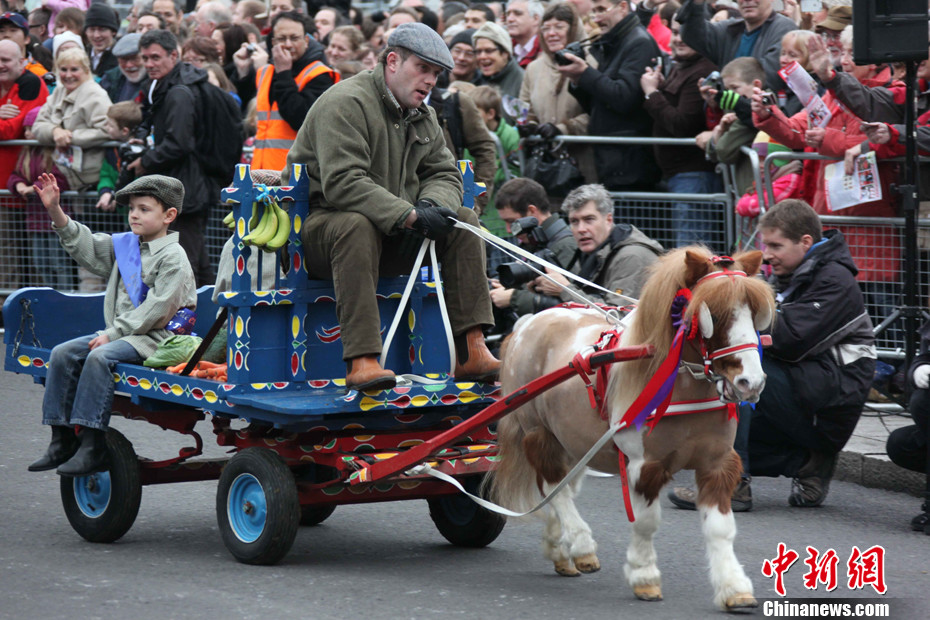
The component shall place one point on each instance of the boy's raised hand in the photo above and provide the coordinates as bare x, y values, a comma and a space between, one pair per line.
47, 189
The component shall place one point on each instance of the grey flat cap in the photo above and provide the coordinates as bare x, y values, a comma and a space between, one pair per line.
168, 190
128, 45
424, 42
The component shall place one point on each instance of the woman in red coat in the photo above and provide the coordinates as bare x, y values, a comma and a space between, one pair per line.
880, 262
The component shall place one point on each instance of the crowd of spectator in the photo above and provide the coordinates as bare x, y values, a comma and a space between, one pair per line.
183, 85
543, 69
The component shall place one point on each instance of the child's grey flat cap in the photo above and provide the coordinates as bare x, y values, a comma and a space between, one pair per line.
168, 190
424, 42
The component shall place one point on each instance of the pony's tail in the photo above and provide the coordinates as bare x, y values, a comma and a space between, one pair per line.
514, 480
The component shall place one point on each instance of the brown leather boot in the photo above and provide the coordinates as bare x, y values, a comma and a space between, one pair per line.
474, 362
365, 373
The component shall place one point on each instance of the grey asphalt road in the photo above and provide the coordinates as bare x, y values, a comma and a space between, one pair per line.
388, 561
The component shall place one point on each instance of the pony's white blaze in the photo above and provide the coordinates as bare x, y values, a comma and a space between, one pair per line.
751, 380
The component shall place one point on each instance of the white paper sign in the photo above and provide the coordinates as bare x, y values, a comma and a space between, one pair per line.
805, 87
848, 191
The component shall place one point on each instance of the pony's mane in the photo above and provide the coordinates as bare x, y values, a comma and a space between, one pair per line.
652, 322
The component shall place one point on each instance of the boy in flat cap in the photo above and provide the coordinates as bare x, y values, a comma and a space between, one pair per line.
150, 284
380, 172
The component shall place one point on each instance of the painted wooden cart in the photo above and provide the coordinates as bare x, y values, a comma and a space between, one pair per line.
300, 444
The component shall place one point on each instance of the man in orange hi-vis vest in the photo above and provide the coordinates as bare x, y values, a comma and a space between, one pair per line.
284, 89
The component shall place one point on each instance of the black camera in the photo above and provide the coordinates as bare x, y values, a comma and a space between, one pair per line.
713, 81
49, 79
529, 226
128, 153
572, 48
518, 273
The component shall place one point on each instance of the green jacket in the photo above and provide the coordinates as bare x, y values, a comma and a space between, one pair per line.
364, 155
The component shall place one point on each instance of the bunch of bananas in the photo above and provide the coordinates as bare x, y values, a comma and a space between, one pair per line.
269, 227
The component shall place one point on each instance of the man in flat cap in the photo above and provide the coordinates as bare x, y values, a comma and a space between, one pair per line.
380, 174
150, 288
123, 83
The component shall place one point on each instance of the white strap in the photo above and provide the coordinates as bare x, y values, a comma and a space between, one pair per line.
398, 315
414, 275
425, 468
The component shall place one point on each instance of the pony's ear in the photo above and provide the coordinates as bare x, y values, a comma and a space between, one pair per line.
705, 321
763, 318
696, 265
750, 262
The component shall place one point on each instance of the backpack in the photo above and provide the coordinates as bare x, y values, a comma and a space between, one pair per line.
449, 116
220, 132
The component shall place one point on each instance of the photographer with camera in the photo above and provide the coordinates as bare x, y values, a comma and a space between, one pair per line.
553, 110
611, 94
523, 205
675, 104
614, 257
285, 89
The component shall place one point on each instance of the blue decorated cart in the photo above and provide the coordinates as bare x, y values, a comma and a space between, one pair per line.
300, 443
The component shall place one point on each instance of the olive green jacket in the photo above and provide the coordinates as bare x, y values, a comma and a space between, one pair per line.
364, 155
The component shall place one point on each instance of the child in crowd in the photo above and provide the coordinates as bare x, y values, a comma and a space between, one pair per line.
736, 130
150, 281
49, 260
122, 120
488, 101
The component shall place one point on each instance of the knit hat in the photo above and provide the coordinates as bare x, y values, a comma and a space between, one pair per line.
463, 37
838, 18
30, 118
100, 15
424, 42
64, 37
495, 33
168, 190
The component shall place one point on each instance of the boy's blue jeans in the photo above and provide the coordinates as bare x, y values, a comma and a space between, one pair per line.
79, 386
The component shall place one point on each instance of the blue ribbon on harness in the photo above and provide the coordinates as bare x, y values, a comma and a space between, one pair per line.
129, 261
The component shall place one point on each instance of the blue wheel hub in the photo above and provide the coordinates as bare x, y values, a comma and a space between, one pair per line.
92, 493
246, 509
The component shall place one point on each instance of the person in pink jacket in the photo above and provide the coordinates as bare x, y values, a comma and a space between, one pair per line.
55, 6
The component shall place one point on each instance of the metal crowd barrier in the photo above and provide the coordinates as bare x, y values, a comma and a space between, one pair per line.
877, 247
662, 216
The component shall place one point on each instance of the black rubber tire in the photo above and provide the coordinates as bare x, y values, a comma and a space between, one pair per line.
314, 515
122, 505
282, 508
463, 522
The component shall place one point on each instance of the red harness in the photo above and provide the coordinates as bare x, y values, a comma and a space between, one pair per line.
651, 398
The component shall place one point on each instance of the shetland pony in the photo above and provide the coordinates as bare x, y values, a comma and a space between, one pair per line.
540, 442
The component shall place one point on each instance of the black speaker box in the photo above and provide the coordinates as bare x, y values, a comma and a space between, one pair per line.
889, 31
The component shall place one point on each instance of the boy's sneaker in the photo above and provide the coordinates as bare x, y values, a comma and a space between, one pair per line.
741, 501
810, 486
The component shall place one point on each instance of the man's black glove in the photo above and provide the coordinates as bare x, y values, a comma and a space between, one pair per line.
548, 131
433, 221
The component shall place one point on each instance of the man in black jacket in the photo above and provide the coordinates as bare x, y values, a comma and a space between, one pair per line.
123, 83
612, 95
819, 367
170, 117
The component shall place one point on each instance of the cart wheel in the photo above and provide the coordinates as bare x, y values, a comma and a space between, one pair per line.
257, 507
463, 522
102, 507
314, 515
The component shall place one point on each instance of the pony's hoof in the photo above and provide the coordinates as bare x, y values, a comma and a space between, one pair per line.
743, 600
648, 592
587, 563
566, 568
